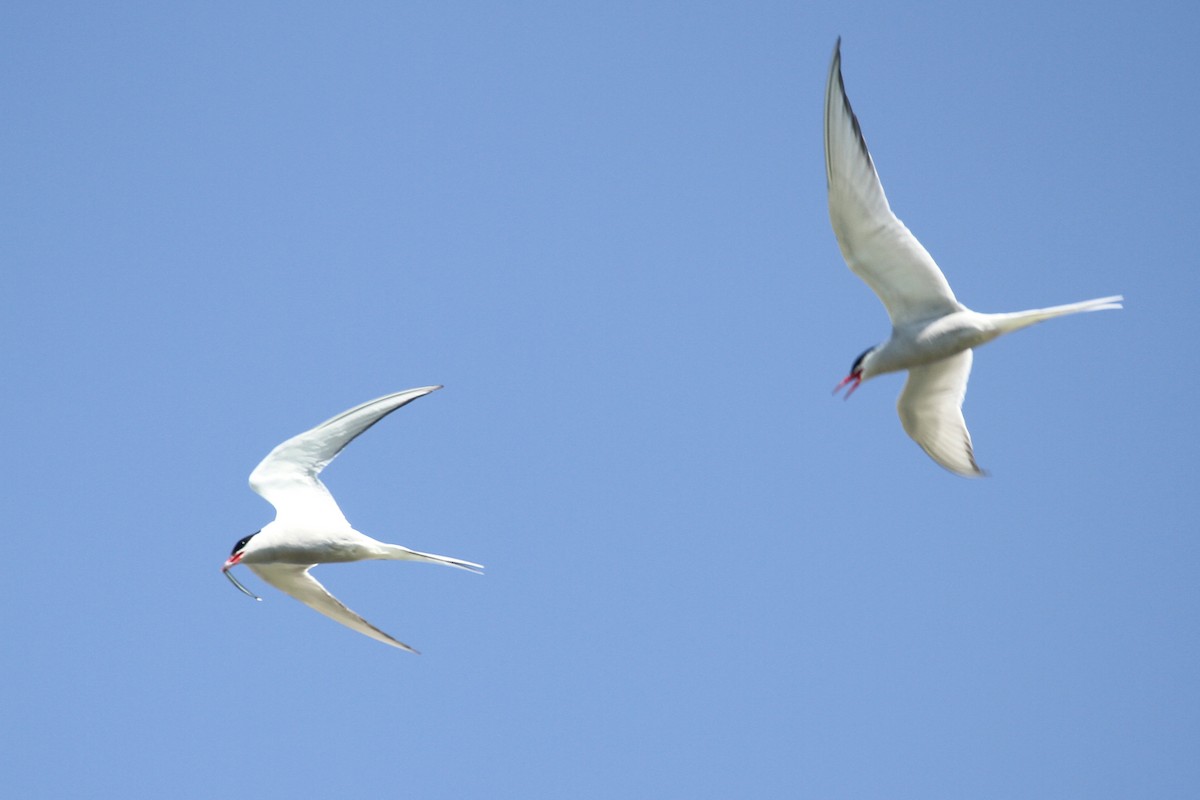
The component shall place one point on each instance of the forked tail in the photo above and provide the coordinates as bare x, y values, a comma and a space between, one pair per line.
400, 553
1023, 319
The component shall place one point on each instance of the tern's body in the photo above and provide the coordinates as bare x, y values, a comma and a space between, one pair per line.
917, 343
309, 528
914, 344
932, 333
276, 544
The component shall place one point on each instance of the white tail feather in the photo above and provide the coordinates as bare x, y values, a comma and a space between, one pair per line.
1022, 319
400, 553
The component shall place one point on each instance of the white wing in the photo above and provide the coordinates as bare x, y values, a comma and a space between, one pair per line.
931, 412
876, 245
287, 477
294, 579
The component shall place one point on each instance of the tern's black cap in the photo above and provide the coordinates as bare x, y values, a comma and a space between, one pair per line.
853, 369
242, 542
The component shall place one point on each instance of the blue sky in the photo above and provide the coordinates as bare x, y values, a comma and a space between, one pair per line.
603, 227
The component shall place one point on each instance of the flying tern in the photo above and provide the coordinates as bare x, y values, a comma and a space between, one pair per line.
309, 528
932, 333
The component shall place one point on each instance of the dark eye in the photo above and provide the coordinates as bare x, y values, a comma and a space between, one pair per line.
242, 542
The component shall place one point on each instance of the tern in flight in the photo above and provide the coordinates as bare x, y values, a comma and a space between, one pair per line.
932, 333
309, 528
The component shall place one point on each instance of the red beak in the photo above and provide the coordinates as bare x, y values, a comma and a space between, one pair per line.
854, 379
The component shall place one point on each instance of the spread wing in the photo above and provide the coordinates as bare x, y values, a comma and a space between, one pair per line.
875, 244
931, 412
294, 579
287, 477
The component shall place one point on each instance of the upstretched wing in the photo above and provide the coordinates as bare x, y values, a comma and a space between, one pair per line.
287, 477
876, 245
931, 412
294, 579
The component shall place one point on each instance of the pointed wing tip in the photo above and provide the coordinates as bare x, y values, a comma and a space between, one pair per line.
968, 470
976, 471
421, 391
299, 583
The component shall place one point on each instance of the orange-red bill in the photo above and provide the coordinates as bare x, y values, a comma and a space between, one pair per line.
854, 379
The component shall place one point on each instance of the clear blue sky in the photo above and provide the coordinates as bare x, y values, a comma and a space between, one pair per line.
603, 227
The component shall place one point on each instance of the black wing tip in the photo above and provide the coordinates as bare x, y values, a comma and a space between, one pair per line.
836, 67
979, 471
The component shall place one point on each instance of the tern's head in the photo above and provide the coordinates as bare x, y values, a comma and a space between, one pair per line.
239, 550
858, 372
235, 557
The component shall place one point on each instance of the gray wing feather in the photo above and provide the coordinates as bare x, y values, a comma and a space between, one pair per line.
930, 408
295, 579
876, 245
287, 477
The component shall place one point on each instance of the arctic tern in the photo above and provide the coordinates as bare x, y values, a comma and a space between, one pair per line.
309, 528
932, 333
